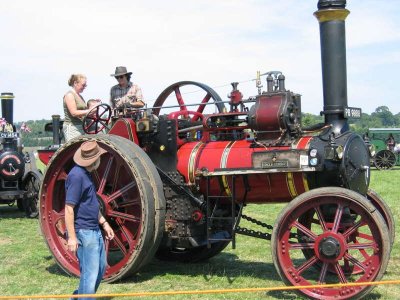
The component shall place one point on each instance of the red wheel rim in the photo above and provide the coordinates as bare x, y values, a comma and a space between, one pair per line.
385, 211
120, 200
342, 237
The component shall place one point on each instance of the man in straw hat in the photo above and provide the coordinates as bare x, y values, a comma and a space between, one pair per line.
125, 93
83, 218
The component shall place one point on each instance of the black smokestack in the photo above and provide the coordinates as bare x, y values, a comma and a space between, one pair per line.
331, 15
7, 102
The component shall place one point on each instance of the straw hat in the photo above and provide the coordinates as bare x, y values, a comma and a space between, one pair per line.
88, 153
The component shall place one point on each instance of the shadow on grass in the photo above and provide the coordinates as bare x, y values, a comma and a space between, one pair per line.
10, 212
225, 265
56, 270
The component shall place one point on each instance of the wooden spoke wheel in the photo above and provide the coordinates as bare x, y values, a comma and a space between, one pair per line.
210, 95
31, 201
130, 193
384, 160
97, 119
191, 255
342, 235
385, 211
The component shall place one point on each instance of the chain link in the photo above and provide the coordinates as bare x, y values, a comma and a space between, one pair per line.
254, 233
259, 223
258, 234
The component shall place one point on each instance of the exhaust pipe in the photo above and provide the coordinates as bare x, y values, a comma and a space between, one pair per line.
331, 15
56, 129
7, 103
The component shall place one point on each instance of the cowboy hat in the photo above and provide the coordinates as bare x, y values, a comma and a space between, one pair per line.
88, 153
119, 71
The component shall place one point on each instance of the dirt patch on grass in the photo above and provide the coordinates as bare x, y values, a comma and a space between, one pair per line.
5, 241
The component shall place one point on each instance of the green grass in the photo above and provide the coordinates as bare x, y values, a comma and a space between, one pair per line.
28, 268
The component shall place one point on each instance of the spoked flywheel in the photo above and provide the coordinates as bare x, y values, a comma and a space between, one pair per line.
330, 236
130, 193
186, 109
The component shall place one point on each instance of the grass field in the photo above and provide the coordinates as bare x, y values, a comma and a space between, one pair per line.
28, 268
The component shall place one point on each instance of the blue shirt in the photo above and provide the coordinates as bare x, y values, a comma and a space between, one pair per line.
81, 192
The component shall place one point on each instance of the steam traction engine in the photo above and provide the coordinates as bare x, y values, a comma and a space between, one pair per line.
175, 185
17, 183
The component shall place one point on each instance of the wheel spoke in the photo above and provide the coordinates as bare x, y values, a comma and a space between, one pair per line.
120, 244
361, 246
124, 216
105, 176
121, 191
116, 178
321, 219
365, 236
205, 100
338, 217
101, 114
301, 246
179, 98
305, 230
308, 264
127, 234
128, 203
339, 272
353, 228
322, 275
355, 261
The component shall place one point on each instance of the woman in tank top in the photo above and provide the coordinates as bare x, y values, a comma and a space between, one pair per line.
74, 107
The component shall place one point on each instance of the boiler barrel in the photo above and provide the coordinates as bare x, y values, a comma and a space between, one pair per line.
232, 156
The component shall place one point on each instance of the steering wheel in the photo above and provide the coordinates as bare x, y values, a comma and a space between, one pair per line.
97, 119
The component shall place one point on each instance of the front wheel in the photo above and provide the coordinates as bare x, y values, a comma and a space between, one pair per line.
31, 200
347, 241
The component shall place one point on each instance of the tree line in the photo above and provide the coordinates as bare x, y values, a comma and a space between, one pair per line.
381, 117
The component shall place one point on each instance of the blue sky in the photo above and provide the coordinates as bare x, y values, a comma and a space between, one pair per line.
214, 42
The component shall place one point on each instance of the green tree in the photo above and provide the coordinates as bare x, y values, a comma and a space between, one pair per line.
384, 114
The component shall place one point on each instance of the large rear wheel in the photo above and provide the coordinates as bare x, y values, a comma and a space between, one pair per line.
130, 194
347, 241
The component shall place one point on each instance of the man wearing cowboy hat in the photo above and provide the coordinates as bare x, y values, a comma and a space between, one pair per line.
125, 93
83, 218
